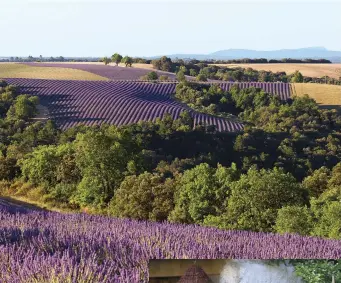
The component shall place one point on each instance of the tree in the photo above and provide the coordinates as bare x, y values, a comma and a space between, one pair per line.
202, 192
319, 271
317, 183
106, 60
128, 61
117, 58
102, 159
8, 168
24, 107
180, 76
152, 76
257, 197
297, 77
144, 197
201, 78
294, 219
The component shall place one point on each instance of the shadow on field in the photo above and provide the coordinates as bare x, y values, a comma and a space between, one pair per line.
330, 107
18, 205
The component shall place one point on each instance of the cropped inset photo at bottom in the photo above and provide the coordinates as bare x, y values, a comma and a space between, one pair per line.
244, 271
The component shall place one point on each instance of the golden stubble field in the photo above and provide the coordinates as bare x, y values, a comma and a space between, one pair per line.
310, 70
14, 70
328, 96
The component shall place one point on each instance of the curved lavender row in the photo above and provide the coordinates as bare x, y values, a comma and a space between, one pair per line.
85, 248
107, 71
120, 103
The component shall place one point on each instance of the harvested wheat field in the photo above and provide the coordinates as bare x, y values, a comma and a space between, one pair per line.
328, 96
14, 70
309, 70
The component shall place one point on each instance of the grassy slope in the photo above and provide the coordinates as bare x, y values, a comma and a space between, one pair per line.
10, 70
311, 70
328, 96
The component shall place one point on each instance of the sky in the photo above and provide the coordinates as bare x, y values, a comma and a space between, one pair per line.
152, 28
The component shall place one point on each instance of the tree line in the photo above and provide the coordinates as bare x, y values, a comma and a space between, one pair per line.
204, 71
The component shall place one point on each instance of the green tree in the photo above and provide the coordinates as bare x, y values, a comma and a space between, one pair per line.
145, 197
102, 160
106, 60
180, 76
319, 271
202, 192
128, 61
297, 77
328, 215
24, 107
201, 78
294, 219
117, 58
257, 197
317, 182
152, 76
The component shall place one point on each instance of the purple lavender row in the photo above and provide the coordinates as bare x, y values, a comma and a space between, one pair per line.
52, 247
119, 103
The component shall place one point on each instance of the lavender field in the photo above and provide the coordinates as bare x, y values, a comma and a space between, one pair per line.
110, 72
121, 103
39, 246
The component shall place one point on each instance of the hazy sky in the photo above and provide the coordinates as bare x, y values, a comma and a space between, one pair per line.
146, 28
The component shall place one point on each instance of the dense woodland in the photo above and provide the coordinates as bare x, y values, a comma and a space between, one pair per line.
281, 174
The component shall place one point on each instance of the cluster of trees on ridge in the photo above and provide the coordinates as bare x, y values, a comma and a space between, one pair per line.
281, 174
203, 72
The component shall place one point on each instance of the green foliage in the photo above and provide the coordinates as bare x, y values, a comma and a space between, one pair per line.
106, 60
163, 78
117, 58
319, 271
297, 77
317, 182
257, 196
294, 219
128, 61
163, 64
152, 76
180, 76
147, 196
201, 78
24, 107
8, 168
202, 191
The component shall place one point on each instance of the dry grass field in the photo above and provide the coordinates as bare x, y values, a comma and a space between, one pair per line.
11, 70
310, 70
328, 96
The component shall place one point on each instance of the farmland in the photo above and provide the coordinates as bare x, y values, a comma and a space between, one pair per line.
311, 70
10, 70
111, 72
38, 246
120, 103
325, 95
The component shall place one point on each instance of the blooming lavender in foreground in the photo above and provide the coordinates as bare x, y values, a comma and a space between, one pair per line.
38, 246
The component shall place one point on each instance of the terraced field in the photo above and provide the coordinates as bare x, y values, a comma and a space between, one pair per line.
70, 103
12, 70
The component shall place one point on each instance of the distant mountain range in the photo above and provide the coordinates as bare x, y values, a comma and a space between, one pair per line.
301, 53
